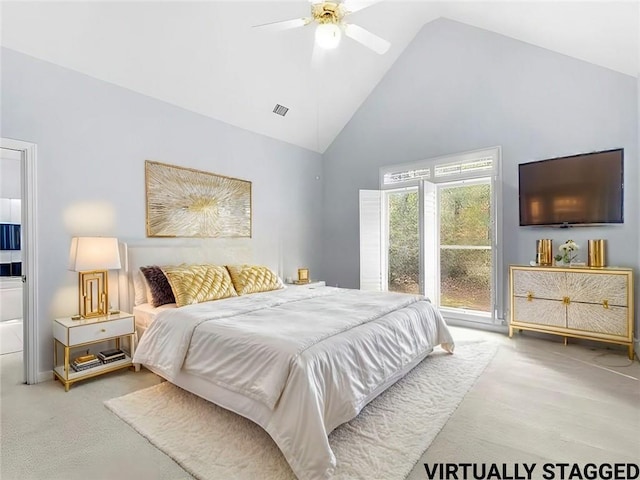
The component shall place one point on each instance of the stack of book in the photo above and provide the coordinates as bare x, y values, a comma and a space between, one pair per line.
84, 362
113, 355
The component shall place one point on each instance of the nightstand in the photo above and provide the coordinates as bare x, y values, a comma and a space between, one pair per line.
311, 284
80, 334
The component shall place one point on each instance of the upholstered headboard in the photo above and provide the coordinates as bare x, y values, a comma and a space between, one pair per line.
218, 252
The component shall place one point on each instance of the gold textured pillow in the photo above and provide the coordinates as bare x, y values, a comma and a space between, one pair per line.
199, 283
253, 279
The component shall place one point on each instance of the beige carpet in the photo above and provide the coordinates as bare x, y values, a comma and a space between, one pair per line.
384, 441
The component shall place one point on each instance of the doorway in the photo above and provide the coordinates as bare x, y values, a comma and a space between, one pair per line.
434, 228
24, 213
465, 248
11, 325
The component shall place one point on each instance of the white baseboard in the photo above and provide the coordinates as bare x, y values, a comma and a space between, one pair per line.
45, 376
477, 325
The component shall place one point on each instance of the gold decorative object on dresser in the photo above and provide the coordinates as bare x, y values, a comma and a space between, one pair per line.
78, 336
578, 302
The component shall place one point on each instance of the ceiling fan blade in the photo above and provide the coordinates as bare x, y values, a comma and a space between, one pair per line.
368, 39
284, 25
351, 6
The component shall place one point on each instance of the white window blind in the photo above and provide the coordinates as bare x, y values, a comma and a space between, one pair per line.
371, 255
402, 176
462, 168
443, 169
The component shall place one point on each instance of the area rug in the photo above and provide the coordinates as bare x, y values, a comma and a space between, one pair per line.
384, 441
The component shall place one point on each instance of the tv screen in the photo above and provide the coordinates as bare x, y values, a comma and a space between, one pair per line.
576, 190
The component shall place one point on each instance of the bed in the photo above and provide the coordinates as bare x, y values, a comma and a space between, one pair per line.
298, 362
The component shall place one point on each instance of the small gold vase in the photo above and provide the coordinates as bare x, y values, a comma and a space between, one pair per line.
303, 275
596, 253
544, 252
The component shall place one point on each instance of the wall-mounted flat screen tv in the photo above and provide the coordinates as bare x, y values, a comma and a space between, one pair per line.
580, 189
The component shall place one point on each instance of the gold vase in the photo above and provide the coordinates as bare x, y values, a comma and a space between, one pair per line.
303, 275
596, 253
544, 252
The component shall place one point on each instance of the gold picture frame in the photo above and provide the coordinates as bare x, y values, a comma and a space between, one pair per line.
184, 202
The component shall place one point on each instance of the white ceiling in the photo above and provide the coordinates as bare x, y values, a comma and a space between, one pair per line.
205, 56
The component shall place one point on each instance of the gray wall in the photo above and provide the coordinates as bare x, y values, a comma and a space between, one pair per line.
458, 88
93, 138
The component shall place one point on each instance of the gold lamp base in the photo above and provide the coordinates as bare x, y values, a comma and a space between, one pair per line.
94, 293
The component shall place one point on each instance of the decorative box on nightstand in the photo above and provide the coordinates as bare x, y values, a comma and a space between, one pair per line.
77, 336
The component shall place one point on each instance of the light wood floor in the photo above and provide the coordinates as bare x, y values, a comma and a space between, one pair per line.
537, 401
541, 402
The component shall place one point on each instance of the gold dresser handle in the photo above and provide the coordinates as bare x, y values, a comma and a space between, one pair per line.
103, 330
566, 300
605, 303
529, 296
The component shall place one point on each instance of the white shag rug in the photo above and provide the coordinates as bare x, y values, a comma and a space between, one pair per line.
384, 441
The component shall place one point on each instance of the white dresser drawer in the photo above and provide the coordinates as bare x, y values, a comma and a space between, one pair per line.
597, 287
612, 320
95, 332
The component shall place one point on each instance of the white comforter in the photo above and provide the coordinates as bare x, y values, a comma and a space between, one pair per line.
313, 357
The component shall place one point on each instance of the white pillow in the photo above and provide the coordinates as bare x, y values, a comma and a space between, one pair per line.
140, 288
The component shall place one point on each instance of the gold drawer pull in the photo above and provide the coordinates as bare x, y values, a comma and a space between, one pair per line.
566, 300
103, 330
529, 296
605, 303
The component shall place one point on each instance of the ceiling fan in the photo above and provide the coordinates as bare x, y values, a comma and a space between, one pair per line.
329, 17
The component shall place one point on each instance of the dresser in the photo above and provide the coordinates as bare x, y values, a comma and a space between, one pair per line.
578, 302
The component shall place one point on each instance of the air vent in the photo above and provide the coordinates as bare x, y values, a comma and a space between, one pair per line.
280, 110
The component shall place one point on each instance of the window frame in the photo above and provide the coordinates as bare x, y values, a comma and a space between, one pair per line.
458, 313
495, 175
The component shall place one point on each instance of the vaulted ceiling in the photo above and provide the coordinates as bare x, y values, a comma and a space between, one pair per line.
206, 57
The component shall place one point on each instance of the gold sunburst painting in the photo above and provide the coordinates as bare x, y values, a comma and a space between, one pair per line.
183, 202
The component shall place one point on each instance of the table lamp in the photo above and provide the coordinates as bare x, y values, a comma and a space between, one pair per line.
92, 257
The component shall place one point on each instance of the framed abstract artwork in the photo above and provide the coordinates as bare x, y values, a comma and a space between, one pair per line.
184, 202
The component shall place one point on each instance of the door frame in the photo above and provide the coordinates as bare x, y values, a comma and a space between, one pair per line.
28, 195
417, 172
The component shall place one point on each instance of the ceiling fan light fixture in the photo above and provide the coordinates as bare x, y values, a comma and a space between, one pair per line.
328, 35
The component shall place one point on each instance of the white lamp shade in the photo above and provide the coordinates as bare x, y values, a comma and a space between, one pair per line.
94, 253
328, 35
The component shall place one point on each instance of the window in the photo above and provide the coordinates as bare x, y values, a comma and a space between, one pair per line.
465, 246
436, 232
403, 251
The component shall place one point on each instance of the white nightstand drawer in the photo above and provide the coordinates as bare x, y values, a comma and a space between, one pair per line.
95, 332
